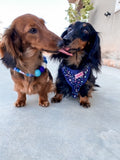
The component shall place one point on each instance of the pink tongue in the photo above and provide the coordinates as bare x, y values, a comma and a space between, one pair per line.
65, 52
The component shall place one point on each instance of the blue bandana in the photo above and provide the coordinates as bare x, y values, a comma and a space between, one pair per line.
76, 78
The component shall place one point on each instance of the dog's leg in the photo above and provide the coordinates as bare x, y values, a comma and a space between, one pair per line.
84, 101
85, 94
57, 98
43, 100
21, 101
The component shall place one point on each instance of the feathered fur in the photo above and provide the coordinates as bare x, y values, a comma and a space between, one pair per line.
83, 42
21, 46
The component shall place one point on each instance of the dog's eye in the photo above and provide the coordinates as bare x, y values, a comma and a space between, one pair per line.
33, 30
85, 31
69, 29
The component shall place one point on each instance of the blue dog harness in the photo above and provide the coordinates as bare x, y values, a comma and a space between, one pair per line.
76, 78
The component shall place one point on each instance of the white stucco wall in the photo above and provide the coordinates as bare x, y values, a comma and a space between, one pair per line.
109, 27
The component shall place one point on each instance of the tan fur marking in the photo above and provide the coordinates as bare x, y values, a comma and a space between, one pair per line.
84, 101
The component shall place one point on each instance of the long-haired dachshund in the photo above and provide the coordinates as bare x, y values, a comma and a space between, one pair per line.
75, 77
21, 51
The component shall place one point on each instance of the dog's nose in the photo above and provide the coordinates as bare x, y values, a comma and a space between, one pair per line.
66, 41
60, 43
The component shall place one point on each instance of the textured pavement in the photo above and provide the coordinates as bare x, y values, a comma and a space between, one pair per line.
64, 131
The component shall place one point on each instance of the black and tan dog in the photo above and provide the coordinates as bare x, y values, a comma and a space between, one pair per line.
75, 77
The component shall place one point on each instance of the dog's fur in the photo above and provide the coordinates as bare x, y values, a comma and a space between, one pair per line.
21, 46
83, 42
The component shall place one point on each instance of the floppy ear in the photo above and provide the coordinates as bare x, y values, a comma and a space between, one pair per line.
10, 48
64, 33
95, 52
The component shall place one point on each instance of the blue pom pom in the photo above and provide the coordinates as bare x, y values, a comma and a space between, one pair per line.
37, 73
42, 69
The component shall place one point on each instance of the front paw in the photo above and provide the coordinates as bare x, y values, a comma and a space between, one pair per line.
57, 98
20, 103
85, 104
44, 103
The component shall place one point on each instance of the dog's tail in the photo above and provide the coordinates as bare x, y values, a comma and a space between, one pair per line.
95, 85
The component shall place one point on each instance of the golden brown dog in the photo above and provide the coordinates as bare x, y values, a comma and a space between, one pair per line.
21, 51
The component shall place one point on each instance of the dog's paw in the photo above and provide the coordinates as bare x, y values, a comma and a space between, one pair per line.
55, 100
44, 103
20, 103
85, 104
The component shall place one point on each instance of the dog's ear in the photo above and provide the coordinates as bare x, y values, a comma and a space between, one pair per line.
10, 48
8, 60
0, 49
12, 42
64, 33
95, 52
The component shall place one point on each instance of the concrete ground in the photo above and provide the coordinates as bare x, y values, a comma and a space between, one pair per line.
64, 131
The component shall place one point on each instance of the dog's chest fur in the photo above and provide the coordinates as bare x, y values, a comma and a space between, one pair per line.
31, 85
75, 59
29, 63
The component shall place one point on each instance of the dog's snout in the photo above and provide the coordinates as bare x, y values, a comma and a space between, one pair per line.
60, 43
66, 41
63, 42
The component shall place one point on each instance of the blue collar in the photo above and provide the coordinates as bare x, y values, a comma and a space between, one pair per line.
38, 71
76, 78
